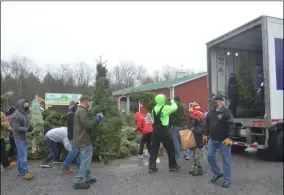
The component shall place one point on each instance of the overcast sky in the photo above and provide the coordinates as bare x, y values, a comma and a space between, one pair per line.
149, 33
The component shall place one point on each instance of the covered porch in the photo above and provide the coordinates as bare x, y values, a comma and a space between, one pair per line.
127, 104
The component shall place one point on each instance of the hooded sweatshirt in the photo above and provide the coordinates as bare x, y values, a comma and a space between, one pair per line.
20, 121
59, 135
143, 125
167, 109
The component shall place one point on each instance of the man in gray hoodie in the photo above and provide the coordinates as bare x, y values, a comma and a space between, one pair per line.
20, 127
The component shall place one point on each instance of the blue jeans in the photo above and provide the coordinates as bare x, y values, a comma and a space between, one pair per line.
22, 156
176, 140
70, 157
55, 150
213, 145
85, 171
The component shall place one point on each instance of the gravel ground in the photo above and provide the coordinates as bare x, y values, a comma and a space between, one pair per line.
250, 176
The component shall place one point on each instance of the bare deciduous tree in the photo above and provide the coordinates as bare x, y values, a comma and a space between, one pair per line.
168, 73
25, 78
124, 75
141, 72
156, 76
84, 74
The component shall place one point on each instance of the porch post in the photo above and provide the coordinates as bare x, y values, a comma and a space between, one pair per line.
128, 105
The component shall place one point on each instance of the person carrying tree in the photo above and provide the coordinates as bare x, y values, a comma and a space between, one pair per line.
5, 126
161, 133
83, 124
145, 127
21, 126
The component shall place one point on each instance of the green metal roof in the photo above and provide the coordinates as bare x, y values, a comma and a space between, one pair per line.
159, 85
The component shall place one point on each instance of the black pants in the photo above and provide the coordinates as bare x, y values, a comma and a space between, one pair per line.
146, 138
12, 147
161, 134
4, 156
55, 150
233, 106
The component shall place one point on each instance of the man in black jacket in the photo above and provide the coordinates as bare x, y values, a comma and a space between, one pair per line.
219, 128
74, 153
233, 93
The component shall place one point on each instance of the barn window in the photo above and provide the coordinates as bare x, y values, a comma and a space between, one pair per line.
134, 105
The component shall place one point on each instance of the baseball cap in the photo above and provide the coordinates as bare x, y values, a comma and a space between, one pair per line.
176, 98
218, 97
84, 97
72, 102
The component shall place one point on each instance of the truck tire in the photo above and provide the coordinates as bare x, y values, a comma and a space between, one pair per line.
279, 146
238, 149
275, 147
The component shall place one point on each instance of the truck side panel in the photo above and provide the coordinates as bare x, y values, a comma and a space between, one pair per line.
275, 53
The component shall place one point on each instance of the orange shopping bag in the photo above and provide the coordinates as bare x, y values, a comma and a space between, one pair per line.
187, 139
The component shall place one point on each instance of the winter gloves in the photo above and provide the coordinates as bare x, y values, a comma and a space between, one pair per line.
99, 117
227, 142
205, 138
30, 128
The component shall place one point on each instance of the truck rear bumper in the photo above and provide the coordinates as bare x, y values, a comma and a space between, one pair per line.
247, 122
243, 144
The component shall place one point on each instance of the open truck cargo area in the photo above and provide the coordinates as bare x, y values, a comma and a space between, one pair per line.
254, 54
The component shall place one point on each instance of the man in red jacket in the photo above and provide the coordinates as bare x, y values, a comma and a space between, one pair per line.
145, 127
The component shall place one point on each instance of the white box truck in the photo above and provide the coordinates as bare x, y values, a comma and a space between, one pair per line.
243, 51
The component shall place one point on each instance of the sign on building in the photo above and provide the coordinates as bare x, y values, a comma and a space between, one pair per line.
60, 98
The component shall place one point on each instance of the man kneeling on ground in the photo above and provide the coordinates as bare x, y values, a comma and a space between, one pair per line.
54, 139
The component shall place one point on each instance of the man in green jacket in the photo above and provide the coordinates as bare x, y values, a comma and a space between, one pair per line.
83, 124
161, 133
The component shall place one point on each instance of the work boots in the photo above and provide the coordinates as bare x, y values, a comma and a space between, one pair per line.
28, 176
81, 185
67, 170
196, 170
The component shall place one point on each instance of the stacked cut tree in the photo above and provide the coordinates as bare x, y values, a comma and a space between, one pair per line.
36, 148
109, 140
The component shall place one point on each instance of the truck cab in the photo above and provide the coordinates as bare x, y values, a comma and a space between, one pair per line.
253, 53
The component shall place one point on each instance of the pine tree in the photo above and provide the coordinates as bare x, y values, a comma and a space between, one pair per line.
35, 137
107, 136
245, 86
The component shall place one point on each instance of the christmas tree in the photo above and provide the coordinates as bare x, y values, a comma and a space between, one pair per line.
107, 136
245, 86
35, 137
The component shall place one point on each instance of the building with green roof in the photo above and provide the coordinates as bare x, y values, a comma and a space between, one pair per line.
194, 84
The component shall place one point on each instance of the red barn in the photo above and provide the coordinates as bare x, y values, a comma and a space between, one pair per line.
189, 88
